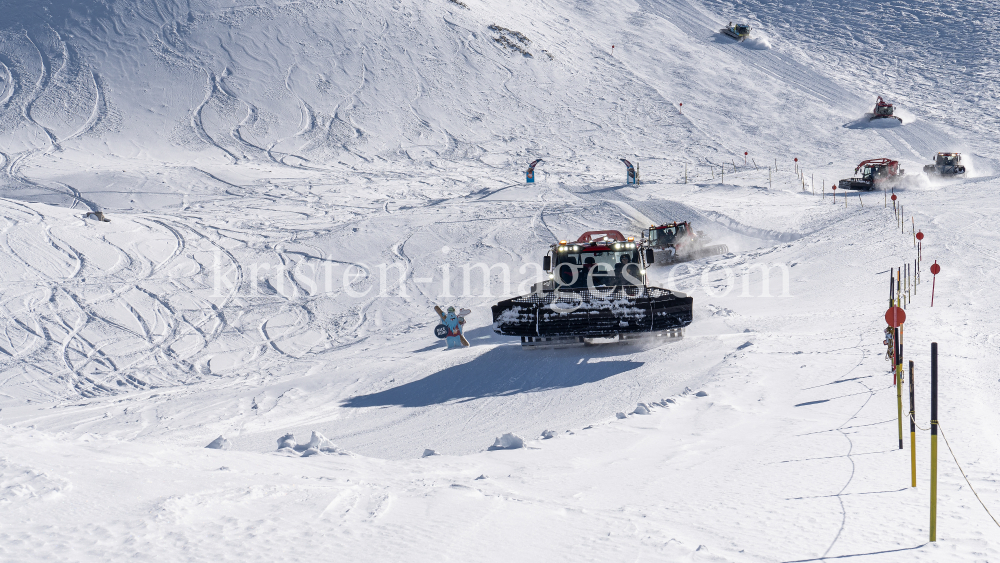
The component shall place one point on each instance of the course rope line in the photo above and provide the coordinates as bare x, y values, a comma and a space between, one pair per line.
966, 477
917, 425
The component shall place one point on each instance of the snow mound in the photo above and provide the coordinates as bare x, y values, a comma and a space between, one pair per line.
621, 415
318, 444
867, 122
641, 408
508, 441
19, 483
905, 115
287, 442
701, 394
759, 43
429, 452
220, 443
548, 434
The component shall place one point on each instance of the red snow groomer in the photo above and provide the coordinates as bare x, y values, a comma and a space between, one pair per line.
596, 289
883, 110
874, 173
678, 241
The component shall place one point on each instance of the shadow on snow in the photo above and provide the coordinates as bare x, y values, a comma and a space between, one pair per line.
503, 371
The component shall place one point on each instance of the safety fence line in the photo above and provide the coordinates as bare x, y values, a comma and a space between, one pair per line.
917, 425
960, 470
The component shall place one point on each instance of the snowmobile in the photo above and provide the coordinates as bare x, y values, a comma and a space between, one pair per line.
738, 32
678, 242
870, 174
883, 110
946, 165
596, 289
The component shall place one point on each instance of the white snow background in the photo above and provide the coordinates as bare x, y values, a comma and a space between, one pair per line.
252, 156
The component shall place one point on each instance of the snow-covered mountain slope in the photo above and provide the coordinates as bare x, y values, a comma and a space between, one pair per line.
319, 85
934, 58
290, 185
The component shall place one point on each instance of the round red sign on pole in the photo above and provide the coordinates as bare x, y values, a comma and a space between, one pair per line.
893, 198
745, 153
895, 316
834, 187
920, 235
935, 269
796, 160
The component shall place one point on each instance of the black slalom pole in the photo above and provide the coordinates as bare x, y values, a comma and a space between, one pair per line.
898, 374
934, 435
913, 434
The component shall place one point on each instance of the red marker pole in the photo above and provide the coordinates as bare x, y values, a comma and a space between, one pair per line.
920, 241
935, 269
796, 165
835, 194
745, 154
682, 108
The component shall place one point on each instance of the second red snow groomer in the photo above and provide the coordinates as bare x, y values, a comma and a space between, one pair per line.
678, 242
873, 173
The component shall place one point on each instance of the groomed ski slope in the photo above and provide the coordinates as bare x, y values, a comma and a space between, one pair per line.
253, 158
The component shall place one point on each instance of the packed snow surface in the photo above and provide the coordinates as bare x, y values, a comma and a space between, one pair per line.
289, 188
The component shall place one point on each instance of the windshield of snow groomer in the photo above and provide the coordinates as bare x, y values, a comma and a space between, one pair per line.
871, 171
573, 266
946, 160
666, 235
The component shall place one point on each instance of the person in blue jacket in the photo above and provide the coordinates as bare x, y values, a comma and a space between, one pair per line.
455, 324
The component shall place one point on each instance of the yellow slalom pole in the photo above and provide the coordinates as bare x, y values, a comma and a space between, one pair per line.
934, 484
